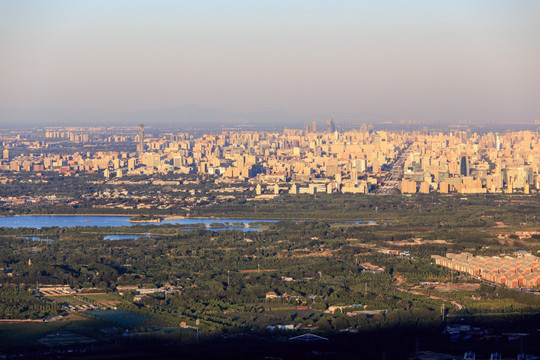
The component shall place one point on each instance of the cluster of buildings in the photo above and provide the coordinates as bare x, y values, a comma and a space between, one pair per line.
522, 271
77, 137
309, 161
473, 163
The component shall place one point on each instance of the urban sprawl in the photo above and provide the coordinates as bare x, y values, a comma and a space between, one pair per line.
295, 161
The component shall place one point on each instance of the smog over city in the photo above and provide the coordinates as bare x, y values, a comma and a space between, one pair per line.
269, 180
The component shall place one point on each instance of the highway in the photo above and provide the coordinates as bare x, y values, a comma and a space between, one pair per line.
395, 174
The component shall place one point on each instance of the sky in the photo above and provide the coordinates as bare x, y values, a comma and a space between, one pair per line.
449, 61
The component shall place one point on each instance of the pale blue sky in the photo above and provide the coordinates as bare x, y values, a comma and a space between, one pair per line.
425, 60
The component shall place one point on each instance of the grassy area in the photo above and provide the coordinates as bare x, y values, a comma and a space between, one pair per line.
101, 297
69, 300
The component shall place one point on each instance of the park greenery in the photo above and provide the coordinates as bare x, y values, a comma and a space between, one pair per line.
325, 272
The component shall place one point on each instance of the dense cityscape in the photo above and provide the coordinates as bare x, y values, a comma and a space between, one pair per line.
270, 180
294, 161
376, 216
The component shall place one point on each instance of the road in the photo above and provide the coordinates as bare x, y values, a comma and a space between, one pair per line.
395, 174
400, 280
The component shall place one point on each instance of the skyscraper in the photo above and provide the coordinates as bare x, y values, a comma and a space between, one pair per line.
331, 126
464, 168
140, 146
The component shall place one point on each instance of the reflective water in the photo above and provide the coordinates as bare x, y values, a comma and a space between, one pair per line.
40, 221
126, 236
35, 238
244, 229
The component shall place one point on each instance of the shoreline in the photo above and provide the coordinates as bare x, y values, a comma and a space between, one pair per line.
20, 215
181, 217
164, 217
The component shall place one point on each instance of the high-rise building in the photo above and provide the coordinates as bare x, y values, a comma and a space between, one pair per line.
314, 129
464, 166
177, 162
360, 165
131, 164
152, 160
331, 126
140, 146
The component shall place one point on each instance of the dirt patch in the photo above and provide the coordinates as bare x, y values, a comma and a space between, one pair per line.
362, 245
73, 317
108, 303
255, 270
19, 320
91, 294
416, 242
508, 242
325, 253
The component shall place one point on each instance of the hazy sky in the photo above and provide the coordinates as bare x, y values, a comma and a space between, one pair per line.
426, 60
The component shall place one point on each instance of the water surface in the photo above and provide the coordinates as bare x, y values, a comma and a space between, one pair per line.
35, 238
40, 221
126, 236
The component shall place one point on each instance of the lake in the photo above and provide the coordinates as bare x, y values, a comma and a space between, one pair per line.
36, 238
126, 236
244, 229
40, 221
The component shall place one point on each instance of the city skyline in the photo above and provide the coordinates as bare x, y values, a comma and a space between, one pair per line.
311, 160
83, 63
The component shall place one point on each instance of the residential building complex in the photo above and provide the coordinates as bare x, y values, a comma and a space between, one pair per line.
522, 271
